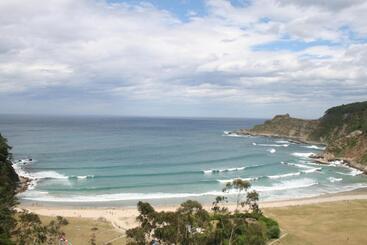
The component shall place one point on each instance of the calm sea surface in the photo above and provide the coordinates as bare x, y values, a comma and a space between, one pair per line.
119, 160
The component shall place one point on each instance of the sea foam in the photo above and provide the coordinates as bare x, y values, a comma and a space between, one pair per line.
303, 154
332, 179
287, 184
314, 147
46, 197
282, 142
274, 145
272, 150
211, 171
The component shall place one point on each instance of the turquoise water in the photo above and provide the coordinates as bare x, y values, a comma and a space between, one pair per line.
117, 160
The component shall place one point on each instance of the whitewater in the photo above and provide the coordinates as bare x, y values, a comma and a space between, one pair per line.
120, 160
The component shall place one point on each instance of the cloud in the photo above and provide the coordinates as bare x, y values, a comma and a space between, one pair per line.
138, 53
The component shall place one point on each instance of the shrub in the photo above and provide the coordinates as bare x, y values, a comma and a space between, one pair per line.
272, 227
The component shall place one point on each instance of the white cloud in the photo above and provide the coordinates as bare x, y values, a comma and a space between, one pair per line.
139, 52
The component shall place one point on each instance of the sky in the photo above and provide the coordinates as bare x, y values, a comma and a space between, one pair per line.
186, 58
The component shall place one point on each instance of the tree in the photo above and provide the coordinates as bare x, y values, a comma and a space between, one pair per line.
8, 183
251, 200
191, 224
240, 187
30, 229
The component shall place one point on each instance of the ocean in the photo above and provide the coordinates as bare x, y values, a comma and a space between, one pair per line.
103, 161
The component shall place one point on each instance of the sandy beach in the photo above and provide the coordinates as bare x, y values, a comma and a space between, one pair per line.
124, 218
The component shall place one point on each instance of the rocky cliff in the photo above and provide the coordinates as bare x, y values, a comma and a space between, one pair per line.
286, 127
343, 129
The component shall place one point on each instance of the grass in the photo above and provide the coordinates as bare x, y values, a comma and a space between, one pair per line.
80, 230
334, 223
342, 222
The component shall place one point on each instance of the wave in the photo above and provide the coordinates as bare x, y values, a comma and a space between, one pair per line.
336, 163
312, 170
231, 134
225, 181
282, 142
129, 186
24, 161
272, 150
314, 147
56, 175
48, 175
297, 165
211, 171
353, 172
18, 167
274, 145
148, 174
284, 175
286, 185
307, 171
152, 164
280, 176
332, 179
303, 154
45, 197
341, 163
82, 177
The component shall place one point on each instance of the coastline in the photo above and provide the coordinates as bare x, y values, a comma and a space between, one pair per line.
123, 218
295, 140
322, 158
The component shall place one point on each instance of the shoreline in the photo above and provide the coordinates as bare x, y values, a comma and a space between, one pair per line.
322, 158
123, 218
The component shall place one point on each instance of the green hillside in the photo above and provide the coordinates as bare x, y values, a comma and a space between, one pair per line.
342, 120
342, 128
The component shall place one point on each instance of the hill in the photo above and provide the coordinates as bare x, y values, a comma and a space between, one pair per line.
343, 129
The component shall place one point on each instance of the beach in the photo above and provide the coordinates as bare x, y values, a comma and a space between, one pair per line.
97, 172
125, 217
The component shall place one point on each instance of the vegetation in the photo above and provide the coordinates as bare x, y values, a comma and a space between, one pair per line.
191, 224
342, 128
21, 228
342, 120
8, 183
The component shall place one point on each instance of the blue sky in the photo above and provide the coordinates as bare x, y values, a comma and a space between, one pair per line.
211, 58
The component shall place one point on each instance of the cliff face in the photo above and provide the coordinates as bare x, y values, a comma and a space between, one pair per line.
342, 128
286, 126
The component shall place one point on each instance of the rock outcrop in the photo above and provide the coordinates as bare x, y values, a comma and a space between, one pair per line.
285, 126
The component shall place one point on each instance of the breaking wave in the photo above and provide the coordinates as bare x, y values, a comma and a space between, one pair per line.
314, 147
286, 185
282, 142
297, 165
213, 171
303, 154
332, 179
353, 172
272, 150
274, 145
225, 181
280, 176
